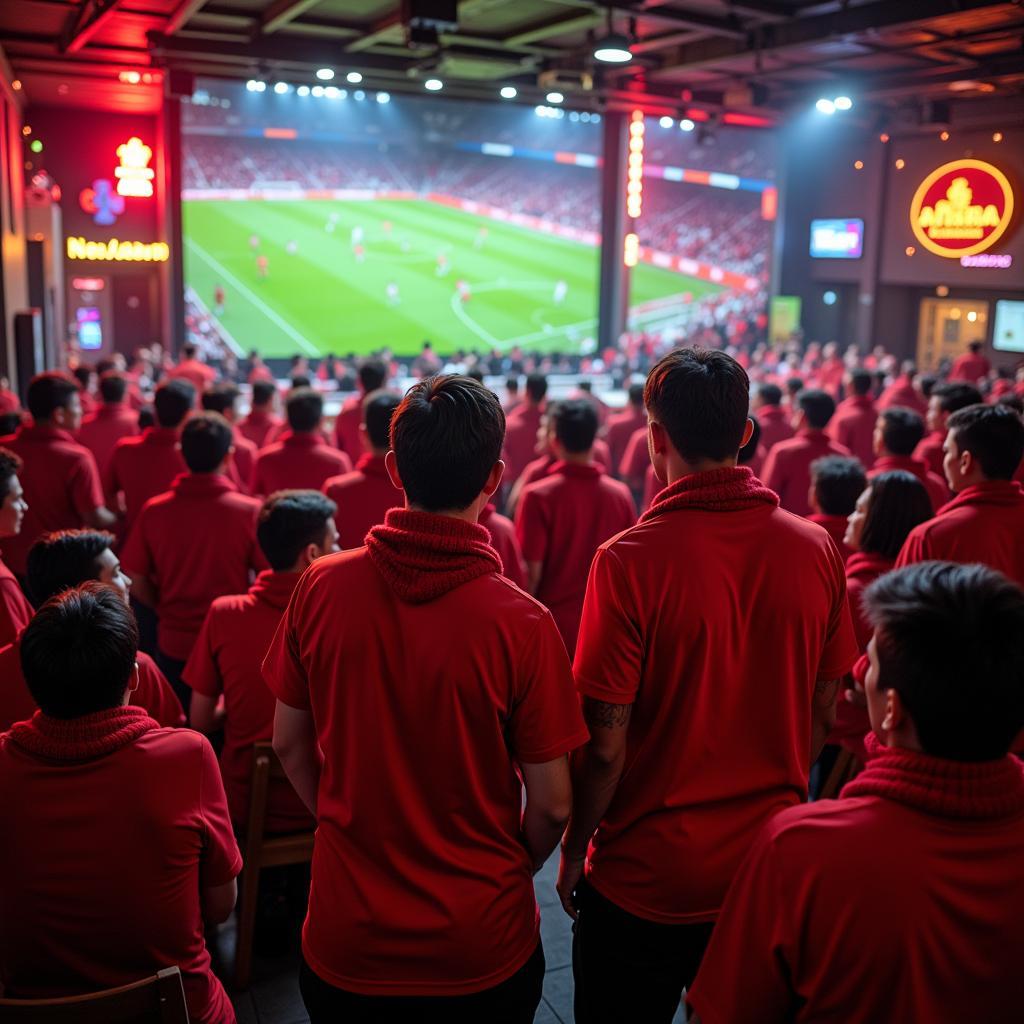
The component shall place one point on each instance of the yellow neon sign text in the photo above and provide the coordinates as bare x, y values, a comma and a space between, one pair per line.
117, 251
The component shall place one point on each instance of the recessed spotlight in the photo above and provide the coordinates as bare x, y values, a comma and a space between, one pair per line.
858, 165
944, 136
303, 90
16, 85
325, 74
281, 88
900, 164
509, 92
353, 77
825, 106
842, 103
433, 85
332, 92
997, 136
359, 95
554, 97
383, 97
687, 125
317, 90
666, 121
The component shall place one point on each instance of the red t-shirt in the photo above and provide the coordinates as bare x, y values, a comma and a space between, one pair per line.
835, 527
901, 392
853, 426
227, 659
504, 541
104, 428
9, 402
929, 451
154, 692
143, 467
775, 425
561, 520
15, 610
61, 484
970, 368
297, 461
621, 427
715, 627
242, 462
521, 428
872, 909
198, 374
101, 868
191, 566
346, 427
938, 490
787, 470
984, 523
421, 883
258, 425
363, 497
636, 459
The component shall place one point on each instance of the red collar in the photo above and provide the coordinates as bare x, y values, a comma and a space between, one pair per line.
999, 493
293, 440
85, 738
161, 435
732, 489
579, 470
868, 563
274, 588
44, 432
200, 484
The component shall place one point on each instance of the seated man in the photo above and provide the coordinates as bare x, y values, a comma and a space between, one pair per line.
294, 529
902, 901
117, 842
836, 484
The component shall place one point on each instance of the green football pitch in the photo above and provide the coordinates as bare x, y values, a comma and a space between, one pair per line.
317, 297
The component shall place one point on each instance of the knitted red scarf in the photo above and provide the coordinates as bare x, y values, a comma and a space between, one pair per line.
422, 556
935, 785
85, 738
732, 489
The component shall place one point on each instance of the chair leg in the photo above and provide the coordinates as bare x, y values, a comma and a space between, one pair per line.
246, 925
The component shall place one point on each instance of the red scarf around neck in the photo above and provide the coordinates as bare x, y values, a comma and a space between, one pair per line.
422, 556
85, 738
732, 489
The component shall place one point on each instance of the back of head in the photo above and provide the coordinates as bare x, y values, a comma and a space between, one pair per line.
289, 521
305, 409
860, 382
994, 435
902, 430
147, 418
220, 398
576, 425
794, 385
10, 467
447, 435
378, 408
838, 482
950, 642
769, 394
173, 401
205, 442
64, 559
512, 385
1012, 401
48, 392
908, 368
83, 374
189, 351
373, 374
113, 387
701, 398
263, 393
817, 406
956, 395
78, 652
636, 395
976, 347
299, 380
898, 503
536, 387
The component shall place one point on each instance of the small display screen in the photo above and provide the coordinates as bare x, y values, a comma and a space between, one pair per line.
90, 328
837, 239
1008, 332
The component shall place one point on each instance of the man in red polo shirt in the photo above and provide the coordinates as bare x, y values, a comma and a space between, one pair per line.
898, 432
302, 459
59, 476
853, 425
985, 521
836, 484
365, 494
142, 467
15, 611
623, 425
117, 841
505, 542
972, 366
944, 400
903, 391
101, 430
787, 470
523, 424
562, 518
902, 901
348, 434
775, 421
192, 544
261, 422
422, 905
223, 398
295, 528
193, 369
715, 633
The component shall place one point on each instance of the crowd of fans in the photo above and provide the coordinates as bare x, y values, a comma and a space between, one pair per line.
477, 627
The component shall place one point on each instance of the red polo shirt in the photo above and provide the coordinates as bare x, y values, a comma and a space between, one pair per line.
938, 490
143, 467
101, 867
243, 461
297, 461
970, 368
929, 451
521, 428
621, 427
775, 425
347, 438
902, 392
787, 470
504, 541
153, 693
561, 520
715, 626
197, 373
835, 527
853, 426
984, 523
61, 484
258, 425
104, 428
363, 497
227, 659
636, 459
421, 883
15, 610
196, 542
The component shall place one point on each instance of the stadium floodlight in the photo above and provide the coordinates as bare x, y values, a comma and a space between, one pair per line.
325, 74
686, 125
317, 90
383, 97
843, 103
281, 88
825, 106
354, 77
509, 92
303, 90
613, 49
554, 97
433, 85
666, 121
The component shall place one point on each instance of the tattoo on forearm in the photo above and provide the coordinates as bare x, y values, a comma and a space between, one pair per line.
825, 692
607, 716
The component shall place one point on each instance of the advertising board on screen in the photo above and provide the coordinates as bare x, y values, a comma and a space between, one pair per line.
837, 239
1008, 329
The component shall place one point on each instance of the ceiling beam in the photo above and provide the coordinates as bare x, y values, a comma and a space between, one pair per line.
181, 14
84, 22
377, 32
555, 27
281, 12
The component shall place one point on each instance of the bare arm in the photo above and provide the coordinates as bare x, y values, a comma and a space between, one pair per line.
534, 571
548, 802
203, 714
218, 901
823, 713
296, 746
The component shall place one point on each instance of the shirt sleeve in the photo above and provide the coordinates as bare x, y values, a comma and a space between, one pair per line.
546, 721
610, 649
201, 671
283, 670
136, 555
15, 611
156, 695
85, 488
841, 649
531, 527
221, 860
914, 549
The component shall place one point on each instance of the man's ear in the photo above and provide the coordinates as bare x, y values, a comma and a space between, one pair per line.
748, 431
659, 437
391, 465
894, 711
133, 683
494, 478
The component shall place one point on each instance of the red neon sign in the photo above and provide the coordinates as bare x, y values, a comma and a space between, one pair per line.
134, 175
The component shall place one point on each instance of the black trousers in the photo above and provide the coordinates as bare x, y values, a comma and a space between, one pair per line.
514, 1001
627, 968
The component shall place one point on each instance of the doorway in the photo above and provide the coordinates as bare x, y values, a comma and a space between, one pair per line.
945, 327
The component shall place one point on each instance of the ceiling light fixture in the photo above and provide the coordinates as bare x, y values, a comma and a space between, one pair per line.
325, 74
433, 85
509, 92
353, 77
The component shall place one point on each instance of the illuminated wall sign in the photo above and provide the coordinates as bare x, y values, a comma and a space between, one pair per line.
635, 174
837, 239
997, 261
134, 175
962, 208
117, 251
88, 284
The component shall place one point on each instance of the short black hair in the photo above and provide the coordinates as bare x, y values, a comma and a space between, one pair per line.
205, 441
955, 395
512, 383
838, 482
770, 394
1012, 401
749, 450
173, 401
702, 399
950, 642
300, 380
794, 385
536, 387
63, 559
373, 374
446, 434
305, 409
926, 382
817, 406
78, 652
636, 394
378, 408
288, 521
147, 418
263, 392
575, 422
976, 346
188, 351
83, 374
294, 360
898, 503
10, 467
476, 373
860, 382
48, 392
220, 398
902, 430
113, 387
994, 435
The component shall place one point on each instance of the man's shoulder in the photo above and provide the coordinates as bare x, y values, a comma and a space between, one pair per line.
230, 606
614, 488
